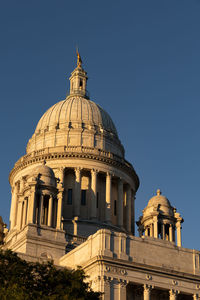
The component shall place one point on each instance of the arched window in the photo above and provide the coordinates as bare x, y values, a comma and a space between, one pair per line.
81, 83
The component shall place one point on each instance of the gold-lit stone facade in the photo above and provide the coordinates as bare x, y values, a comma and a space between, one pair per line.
73, 201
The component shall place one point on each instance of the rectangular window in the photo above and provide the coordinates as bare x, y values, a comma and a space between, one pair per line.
37, 209
115, 207
69, 197
97, 199
83, 197
44, 219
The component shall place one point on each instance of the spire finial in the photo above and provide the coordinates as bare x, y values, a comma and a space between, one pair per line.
158, 192
79, 60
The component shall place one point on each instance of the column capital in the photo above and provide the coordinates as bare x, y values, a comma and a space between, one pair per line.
121, 180
122, 283
178, 224
94, 172
60, 193
148, 287
77, 170
110, 174
173, 292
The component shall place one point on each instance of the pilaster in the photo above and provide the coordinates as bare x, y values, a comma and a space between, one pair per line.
120, 203
128, 209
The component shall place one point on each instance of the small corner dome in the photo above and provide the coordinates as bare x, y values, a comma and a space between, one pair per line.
161, 202
46, 175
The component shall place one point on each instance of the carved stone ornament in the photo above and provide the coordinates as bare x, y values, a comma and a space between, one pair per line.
148, 277
123, 283
174, 282
116, 270
107, 280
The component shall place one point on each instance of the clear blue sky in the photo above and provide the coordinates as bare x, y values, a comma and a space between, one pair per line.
143, 63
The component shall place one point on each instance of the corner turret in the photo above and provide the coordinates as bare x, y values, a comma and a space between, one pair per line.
160, 220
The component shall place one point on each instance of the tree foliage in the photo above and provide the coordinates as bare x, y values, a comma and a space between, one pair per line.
20, 279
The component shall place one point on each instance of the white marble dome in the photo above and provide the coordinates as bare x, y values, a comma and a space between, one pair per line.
74, 122
76, 109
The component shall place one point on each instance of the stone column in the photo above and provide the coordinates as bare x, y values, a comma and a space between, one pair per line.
108, 197
50, 210
173, 294
133, 213
155, 227
13, 207
170, 233
178, 232
106, 288
147, 291
19, 215
41, 208
163, 231
21, 186
59, 209
61, 175
77, 198
120, 203
31, 206
122, 289
150, 230
128, 209
93, 194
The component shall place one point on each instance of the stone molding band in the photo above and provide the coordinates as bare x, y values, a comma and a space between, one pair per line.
27, 161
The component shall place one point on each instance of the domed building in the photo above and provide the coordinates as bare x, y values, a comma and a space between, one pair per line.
73, 202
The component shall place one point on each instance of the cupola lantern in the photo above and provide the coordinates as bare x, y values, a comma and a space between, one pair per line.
78, 80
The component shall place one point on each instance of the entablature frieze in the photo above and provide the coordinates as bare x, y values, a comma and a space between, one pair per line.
156, 279
29, 160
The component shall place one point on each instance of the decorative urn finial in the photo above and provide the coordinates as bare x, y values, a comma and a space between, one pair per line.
158, 192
